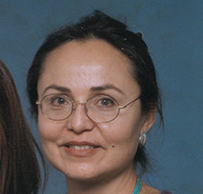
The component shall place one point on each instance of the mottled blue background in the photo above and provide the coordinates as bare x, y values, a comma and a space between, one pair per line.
173, 31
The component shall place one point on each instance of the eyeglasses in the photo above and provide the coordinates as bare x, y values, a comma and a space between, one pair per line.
100, 109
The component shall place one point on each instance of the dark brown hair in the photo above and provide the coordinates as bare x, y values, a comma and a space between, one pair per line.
19, 168
100, 26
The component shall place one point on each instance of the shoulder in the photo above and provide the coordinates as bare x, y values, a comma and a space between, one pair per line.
148, 189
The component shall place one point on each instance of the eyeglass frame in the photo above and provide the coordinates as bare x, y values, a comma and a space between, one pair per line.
84, 104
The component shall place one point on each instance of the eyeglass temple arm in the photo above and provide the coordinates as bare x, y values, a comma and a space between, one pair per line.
122, 107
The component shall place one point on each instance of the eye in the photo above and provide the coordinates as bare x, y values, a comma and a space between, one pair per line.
57, 100
106, 102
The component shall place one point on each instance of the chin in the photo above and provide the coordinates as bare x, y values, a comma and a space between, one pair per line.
82, 175
89, 176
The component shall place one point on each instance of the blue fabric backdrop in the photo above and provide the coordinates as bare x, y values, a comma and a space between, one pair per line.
173, 31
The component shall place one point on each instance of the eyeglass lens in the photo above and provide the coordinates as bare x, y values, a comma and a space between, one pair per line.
99, 108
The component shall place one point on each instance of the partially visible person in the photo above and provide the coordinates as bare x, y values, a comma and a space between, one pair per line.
19, 168
93, 90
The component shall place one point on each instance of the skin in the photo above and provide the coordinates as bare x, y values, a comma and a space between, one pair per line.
82, 70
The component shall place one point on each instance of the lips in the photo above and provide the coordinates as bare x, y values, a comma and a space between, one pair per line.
81, 145
81, 149
84, 147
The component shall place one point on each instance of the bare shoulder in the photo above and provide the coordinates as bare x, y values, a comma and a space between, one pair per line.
146, 189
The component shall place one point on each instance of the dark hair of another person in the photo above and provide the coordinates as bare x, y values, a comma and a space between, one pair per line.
100, 26
19, 168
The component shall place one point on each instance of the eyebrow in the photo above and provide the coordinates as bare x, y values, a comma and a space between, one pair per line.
106, 87
59, 88
93, 89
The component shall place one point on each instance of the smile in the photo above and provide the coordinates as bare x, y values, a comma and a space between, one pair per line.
83, 147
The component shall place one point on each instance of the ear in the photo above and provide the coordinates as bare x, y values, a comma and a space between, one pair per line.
149, 120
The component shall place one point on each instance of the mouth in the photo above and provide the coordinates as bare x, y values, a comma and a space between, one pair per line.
81, 147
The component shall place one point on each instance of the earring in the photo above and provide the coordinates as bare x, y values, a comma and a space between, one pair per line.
142, 140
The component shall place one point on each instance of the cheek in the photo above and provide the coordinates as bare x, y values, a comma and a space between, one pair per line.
122, 133
49, 130
122, 140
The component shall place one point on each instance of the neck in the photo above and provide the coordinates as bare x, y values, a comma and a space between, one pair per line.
122, 183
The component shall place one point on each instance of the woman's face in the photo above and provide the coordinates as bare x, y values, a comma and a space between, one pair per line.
77, 146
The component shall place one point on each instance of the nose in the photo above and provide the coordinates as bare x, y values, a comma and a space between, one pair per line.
78, 121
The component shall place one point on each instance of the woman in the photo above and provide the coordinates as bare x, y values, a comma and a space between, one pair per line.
19, 168
93, 90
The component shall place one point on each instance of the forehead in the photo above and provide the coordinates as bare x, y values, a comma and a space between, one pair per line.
93, 62
89, 52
